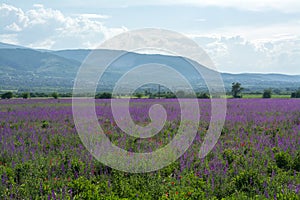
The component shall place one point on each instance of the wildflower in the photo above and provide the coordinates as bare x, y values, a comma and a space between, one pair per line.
176, 192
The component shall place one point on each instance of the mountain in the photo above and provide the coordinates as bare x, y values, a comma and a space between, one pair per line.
10, 46
28, 60
259, 82
77, 54
26, 69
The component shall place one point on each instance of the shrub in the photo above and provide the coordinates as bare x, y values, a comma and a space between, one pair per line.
247, 181
104, 95
54, 95
138, 95
45, 124
229, 155
86, 189
283, 160
295, 94
267, 94
170, 95
25, 95
296, 162
189, 186
203, 96
7, 95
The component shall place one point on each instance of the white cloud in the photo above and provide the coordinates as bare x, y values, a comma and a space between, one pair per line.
12, 17
236, 54
41, 15
285, 6
45, 44
255, 5
13, 27
269, 48
9, 38
42, 27
249, 48
94, 16
256, 34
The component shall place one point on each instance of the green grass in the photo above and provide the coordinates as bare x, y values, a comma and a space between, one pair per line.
257, 96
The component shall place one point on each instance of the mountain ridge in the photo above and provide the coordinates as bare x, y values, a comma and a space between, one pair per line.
24, 68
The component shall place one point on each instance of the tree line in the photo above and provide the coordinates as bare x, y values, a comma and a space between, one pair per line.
237, 89
236, 92
26, 95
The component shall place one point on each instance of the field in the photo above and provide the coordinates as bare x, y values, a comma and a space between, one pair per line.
275, 96
257, 155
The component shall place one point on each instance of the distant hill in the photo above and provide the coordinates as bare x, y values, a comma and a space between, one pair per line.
45, 71
258, 82
28, 60
77, 54
10, 46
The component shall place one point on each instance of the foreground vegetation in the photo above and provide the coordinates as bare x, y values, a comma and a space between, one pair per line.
257, 155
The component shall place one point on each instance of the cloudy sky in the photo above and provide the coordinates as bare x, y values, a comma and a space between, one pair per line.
240, 36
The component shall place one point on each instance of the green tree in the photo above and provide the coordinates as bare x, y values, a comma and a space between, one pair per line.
25, 95
236, 90
147, 93
203, 96
296, 94
267, 94
54, 95
104, 95
138, 95
170, 95
7, 95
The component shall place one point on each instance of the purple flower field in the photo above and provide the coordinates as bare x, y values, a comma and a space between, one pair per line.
257, 155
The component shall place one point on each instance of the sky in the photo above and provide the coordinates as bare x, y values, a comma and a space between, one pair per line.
254, 36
